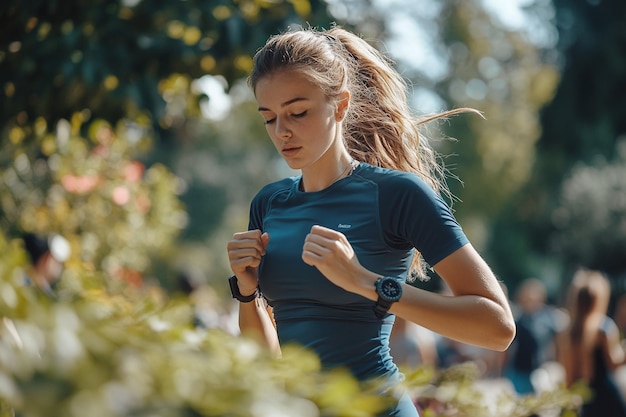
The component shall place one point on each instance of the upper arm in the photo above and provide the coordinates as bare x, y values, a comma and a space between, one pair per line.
466, 273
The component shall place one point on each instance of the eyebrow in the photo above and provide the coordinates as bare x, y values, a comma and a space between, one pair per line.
286, 103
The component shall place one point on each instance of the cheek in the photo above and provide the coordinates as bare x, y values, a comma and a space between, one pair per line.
275, 141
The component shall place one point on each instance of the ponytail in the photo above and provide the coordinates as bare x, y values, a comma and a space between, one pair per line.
380, 127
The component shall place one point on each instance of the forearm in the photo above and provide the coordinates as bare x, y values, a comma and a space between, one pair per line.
477, 312
469, 319
255, 322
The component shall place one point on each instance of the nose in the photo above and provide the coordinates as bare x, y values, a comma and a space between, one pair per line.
282, 130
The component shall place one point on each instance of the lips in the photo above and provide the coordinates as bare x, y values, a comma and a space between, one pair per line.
290, 150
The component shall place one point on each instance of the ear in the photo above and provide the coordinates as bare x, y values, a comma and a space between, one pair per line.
343, 102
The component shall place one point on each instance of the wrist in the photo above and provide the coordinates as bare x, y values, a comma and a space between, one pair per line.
389, 291
244, 296
365, 285
246, 291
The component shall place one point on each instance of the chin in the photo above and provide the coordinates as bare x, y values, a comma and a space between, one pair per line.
294, 164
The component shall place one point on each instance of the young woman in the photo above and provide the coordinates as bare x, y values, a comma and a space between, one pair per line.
590, 349
331, 250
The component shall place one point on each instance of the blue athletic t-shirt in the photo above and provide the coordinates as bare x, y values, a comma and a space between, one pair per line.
384, 214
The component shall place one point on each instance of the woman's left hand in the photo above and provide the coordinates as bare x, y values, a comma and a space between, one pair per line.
331, 253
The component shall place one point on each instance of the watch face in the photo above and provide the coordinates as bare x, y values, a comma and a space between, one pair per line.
390, 289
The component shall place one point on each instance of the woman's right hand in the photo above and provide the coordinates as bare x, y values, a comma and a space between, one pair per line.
245, 251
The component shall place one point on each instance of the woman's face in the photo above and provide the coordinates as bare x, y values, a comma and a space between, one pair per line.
301, 122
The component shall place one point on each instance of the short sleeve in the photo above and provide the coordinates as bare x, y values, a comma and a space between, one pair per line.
413, 214
255, 220
262, 200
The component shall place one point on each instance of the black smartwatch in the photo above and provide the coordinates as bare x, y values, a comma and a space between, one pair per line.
389, 291
234, 289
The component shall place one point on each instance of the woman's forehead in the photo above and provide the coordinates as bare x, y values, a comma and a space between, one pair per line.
284, 88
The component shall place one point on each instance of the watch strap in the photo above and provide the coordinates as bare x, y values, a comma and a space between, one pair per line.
234, 289
381, 308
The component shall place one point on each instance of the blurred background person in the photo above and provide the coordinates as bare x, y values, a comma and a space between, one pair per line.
209, 312
47, 256
589, 349
537, 326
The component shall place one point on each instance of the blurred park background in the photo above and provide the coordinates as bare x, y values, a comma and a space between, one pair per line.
127, 128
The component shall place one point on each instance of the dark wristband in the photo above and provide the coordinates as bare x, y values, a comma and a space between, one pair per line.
234, 289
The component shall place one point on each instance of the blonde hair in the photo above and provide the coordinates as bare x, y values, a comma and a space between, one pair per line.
379, 127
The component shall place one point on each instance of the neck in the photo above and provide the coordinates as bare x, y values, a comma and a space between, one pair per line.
318, 182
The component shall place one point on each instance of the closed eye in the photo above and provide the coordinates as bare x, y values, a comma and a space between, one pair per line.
295, 115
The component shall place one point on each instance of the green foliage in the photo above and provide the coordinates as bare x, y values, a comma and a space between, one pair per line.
59, 57
115, 212
124, 352
582, 124
586, 117
499, 72
458, 391
590, 220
